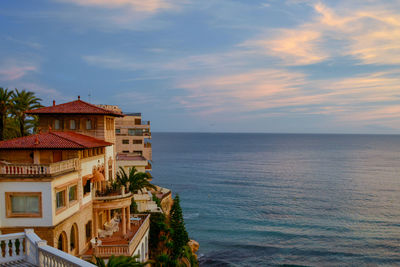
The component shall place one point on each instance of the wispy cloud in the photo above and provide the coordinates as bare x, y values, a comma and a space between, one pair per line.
13, 70
150, 6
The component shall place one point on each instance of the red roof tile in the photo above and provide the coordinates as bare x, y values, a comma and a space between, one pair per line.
74, 107
53, 140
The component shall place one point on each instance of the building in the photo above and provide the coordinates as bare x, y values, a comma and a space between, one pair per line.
58, 182
133, 142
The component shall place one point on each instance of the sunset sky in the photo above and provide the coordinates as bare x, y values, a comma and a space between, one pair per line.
213, 65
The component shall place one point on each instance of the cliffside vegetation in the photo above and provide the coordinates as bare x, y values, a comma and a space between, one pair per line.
169, 238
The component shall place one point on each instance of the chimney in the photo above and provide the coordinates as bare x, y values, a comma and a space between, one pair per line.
79, 97
50, 128
54, 103
36, 140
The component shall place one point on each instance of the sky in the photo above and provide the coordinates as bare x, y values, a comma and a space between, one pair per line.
274, 66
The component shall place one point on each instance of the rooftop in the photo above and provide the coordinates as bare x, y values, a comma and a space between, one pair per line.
74, 107
122, 156
54, 140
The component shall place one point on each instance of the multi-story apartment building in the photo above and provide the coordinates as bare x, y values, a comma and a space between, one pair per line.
133, 141
57, 183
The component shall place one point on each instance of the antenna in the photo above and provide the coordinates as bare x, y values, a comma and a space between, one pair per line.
89, 95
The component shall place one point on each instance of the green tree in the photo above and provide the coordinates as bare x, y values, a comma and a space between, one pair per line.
179, 234
136, 180
5, 106
120, 261
22, 101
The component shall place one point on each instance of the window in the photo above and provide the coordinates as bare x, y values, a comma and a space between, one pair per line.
72, 193
60, 199
23, 204
110, 170
88, 124
138, 121
136, 141
131, 131
138, 152
88, 228
72, 124
57, 125
125, 141
117, 131
86, 187
125, 151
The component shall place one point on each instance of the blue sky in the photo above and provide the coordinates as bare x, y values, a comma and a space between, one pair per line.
296, 66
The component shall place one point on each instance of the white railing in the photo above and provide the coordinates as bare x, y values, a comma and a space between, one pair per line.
30, 248
39, 169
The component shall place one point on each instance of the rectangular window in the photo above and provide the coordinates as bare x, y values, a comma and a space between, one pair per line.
72, 193
23, 204
137, 141
125, 151
86, 187
125, 142
72, 124
131, 131
138, 152
138, 121
117, 131
57, 125
60, 199
88, 124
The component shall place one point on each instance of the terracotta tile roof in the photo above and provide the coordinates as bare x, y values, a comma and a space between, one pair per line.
74, 107
53, 140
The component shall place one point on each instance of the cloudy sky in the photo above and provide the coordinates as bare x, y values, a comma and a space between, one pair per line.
295, 66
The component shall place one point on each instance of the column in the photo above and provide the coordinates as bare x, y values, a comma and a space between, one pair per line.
128, 221
95, 218
123, 221
108, 215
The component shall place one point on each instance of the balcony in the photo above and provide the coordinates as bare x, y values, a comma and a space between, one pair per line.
107, 193
34, 170
27, 249
148, 167
122, 244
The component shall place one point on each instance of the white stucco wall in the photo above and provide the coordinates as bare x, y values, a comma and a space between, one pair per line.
47, 203
145, 243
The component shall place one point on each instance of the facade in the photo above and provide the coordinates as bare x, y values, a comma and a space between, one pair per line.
57, 182
133, 142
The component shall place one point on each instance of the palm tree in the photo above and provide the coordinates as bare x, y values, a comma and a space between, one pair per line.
23, 101
121, 261
136, 180
5, 106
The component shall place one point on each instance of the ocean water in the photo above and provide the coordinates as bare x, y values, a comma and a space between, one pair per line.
286, 199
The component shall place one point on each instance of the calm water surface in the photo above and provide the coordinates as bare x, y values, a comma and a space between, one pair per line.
275, 199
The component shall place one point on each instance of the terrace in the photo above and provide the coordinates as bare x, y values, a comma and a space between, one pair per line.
120, 243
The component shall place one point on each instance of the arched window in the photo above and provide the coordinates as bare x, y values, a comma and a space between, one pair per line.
88, 124
62, 242
73, 239
57, 125
72, 124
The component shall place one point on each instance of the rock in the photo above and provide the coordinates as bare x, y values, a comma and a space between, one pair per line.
194, 245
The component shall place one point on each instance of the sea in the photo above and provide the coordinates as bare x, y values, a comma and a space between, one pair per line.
285, 199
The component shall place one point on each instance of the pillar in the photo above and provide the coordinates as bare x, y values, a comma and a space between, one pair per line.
128, 221
95, 219
123, 222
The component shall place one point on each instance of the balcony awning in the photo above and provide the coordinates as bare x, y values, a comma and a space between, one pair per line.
98, 177
86, 178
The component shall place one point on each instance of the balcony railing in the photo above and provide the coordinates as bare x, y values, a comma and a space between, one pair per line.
29, 248
109, 193
39, 169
